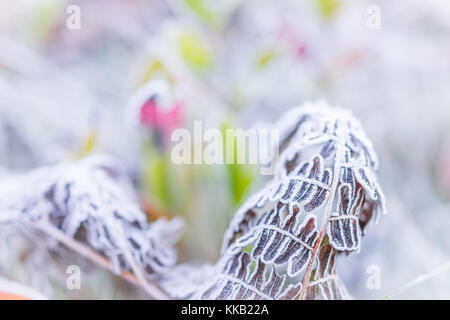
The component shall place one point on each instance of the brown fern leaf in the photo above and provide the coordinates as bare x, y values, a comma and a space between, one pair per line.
280, 239
324, 188
326, 284
89, 201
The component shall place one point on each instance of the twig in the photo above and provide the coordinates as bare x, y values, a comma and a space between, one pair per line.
150, 288
93, 256
418, 280
337, 170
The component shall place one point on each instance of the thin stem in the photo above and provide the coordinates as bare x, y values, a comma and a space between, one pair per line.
418, 280
329, 207
151, 289
93, 256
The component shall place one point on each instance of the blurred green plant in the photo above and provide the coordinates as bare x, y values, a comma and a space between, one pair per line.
240, 176
88, 145
265, 58
155, 177
203, 12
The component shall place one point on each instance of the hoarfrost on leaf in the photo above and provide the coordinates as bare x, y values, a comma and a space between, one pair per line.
321, 197
91, 201
283, 243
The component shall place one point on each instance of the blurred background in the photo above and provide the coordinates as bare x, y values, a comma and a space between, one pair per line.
76, 76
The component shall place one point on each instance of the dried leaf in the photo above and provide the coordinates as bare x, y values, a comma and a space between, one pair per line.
279, 239
238, 281
326, 283
88, 200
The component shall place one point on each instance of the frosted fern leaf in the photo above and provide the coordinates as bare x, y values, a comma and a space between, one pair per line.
241, 279
322, 196
280, 239
89, 201
325, 283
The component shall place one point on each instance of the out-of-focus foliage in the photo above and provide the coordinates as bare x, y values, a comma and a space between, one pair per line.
328, 8
203, 12
240, 176
64, 94
193, 51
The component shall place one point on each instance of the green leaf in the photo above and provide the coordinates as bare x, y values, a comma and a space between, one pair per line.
202, 11
328, 8
155, 68
155, 179
89, 144
240, 176
265, 57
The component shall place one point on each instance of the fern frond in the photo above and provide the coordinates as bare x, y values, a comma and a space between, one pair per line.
237, 281
322, 196
88, 201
